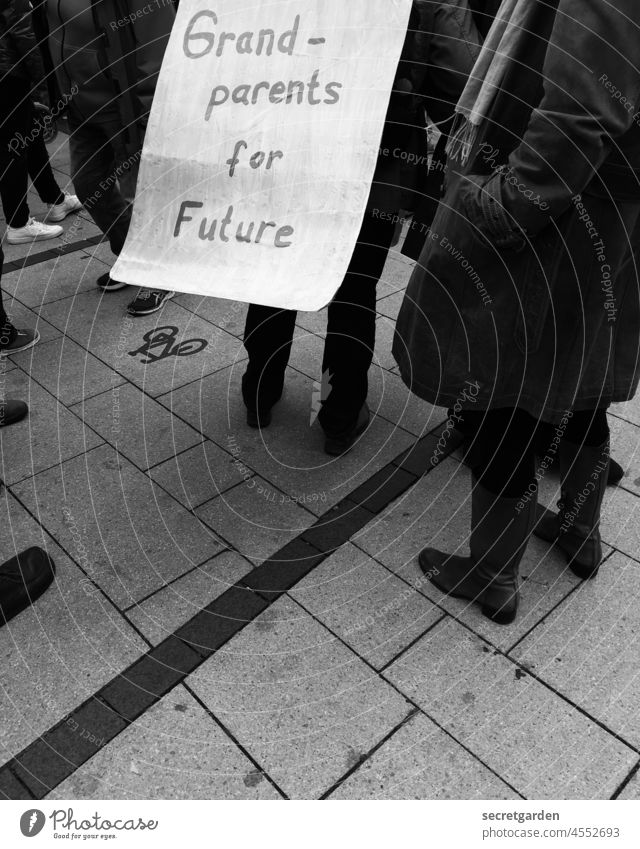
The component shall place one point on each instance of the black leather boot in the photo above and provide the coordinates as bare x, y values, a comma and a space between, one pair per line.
575, 529
490, 576
12, 412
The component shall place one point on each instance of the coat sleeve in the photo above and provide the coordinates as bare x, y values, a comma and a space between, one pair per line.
151, 32
591, 92
24, 42
452, 47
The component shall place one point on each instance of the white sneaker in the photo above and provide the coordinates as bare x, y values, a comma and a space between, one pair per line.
59, 211
33, 231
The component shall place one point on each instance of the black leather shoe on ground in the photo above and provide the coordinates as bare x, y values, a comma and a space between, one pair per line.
23, 579
108, 284
12, 412
335, 446
258, 419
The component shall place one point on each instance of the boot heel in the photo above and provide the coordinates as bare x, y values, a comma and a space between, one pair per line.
500, 617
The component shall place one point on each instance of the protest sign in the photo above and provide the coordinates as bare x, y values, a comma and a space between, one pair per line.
261, 146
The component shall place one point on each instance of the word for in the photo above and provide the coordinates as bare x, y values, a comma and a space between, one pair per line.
208, 230
255, 161
162, 339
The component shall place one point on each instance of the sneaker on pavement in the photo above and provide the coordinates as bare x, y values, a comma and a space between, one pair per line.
23, 579
24, 339
59, 211
33, 231
108, 284
148, 301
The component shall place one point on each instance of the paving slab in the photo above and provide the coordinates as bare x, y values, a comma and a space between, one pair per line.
67, 371
142, 430
130, 536
390, 305
389, 397
629, 410
304, 706
227, 315
48, 436
588, 649
56, 653
313, 322
166, 610
437, 513
533, 739
620, 526
290, 452
23, 317
174, 751
98, 321
369, 608
199, 474
420, 761
255, 518
632, 791
62, 277
625, 448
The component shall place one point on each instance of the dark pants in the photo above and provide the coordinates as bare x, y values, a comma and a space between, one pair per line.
99, 159
348, 350
505, 442
23, 154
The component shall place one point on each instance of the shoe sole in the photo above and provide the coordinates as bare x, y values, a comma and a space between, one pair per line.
333, 450
50, 219
25, 240
9, 353
149, 312
113, 288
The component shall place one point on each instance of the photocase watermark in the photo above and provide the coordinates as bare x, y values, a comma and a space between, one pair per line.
42, 126
469, 395
606, 273
490, 154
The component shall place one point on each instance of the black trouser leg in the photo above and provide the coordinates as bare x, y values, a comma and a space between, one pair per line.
39, 167
14, 131
268, 335
351, 329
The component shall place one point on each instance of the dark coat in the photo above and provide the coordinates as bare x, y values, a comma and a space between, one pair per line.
544, 315
111, 51
19, 53
439, 52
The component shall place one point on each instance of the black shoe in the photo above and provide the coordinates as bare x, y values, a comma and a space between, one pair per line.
12, 412
148, 301
258, 419
335, 446
108, 284
23, 579
23, 340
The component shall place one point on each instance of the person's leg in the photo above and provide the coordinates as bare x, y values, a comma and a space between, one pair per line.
11, 411
95, 179
38, 164
268, 336
503, 507
584, 471
14, 131
351, 329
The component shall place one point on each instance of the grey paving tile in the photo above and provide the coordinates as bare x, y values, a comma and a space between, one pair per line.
199, 474
396, 274
255, 518
588, 649
374, 612
385, 329
390, 305
228, 315
98, 321
437, 513
620, 526
58, 151
632, 791
169, 608
68, 371
527, 734
313, 322
57, 278
390, 398
420, 761
290, 453
55, 654
174, 751
629, 410
625, 448
130, 536
304, 706
48, 436
142, 430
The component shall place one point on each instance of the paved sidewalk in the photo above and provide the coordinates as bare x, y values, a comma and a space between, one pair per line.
236, 615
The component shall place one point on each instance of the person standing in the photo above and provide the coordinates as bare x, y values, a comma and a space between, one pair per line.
527, 309
441, 46
23, 153
110, 51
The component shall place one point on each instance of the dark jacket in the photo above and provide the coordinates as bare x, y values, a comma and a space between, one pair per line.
439, 52
111, 50
19, 53
527, 288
